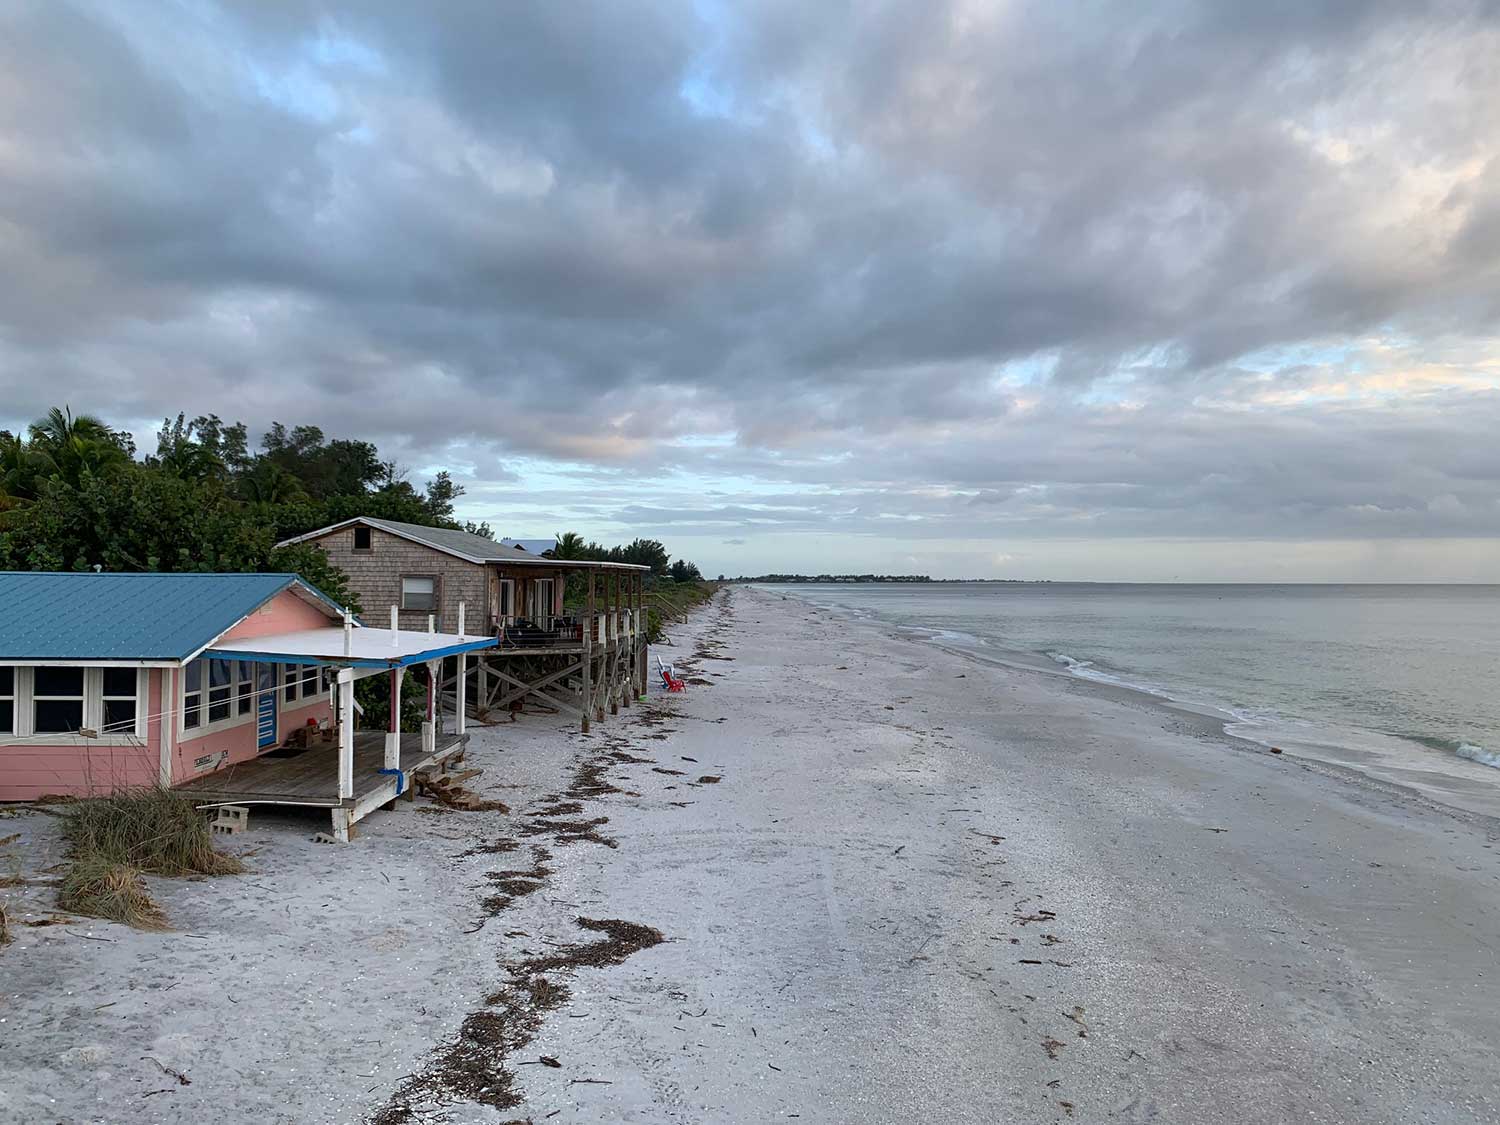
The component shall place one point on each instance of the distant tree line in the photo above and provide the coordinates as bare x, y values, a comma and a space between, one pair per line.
640, 552
74, 495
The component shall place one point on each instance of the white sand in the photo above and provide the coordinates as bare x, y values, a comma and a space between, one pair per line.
848, 920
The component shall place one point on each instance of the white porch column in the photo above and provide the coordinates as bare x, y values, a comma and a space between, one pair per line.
346, 732
461, 692
393, 732
167, 729
429, 728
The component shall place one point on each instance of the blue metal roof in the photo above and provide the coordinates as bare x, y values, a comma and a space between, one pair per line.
86, 616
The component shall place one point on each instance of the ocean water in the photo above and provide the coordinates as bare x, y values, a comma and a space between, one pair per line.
1399, 680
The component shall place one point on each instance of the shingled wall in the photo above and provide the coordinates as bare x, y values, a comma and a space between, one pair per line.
376, 575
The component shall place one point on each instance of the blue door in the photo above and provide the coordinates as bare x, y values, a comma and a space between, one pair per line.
265, 706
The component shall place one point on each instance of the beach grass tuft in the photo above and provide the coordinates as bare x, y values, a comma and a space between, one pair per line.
115, 840
98, 888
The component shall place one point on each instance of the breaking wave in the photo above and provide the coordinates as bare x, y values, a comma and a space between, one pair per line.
1087, 670
1478, 754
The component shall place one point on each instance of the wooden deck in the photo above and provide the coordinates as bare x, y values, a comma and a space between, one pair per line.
311, 778
569, 649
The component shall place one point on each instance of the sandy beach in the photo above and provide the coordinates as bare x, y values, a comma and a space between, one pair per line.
846, 877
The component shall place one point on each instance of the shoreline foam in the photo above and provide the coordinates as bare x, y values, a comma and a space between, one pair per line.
1454, 774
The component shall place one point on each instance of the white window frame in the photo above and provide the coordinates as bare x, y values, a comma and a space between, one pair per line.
305, 683
201, 693
24, 704
82, 699
93, 696
226, 690
244, 688
433, 593
507, 601
235, 687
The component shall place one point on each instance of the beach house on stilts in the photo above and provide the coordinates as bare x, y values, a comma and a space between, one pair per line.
583, 659
233, 688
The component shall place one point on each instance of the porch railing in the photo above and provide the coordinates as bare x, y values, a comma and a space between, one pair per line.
546, 632
563, 630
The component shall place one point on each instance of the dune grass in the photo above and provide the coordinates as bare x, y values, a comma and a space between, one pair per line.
116, 891
114, 841
672, 601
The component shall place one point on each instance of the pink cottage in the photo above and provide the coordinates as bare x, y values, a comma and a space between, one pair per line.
237, 688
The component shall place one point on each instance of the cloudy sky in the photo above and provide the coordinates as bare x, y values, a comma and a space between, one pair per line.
1199, 290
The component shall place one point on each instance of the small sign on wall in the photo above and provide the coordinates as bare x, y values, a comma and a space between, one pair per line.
210, 761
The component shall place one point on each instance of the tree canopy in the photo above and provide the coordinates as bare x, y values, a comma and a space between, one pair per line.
74, 496
638, 552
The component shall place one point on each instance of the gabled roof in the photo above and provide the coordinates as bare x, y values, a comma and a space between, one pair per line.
86, 616
462, 544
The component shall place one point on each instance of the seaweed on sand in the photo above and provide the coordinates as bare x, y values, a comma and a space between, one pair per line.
473, 1066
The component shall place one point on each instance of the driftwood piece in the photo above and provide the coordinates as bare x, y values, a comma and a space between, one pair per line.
446, 790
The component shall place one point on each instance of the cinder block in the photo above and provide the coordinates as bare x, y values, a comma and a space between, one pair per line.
229, 820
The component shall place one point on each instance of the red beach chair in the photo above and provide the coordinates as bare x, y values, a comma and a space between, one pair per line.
672, 682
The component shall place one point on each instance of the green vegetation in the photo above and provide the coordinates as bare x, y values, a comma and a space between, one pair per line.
671, 601
639, 552
153, 830
373, 694
74, 495
673, 586
114, 841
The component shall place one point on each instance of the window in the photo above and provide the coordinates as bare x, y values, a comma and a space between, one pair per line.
7, 700
507, 598
220, 689
244, 687
301, 681
220, 693
192, 695
49, 699
419, 593
541, 599
363, 540
57, 700
118, 690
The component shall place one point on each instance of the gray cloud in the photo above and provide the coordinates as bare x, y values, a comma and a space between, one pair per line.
902, 271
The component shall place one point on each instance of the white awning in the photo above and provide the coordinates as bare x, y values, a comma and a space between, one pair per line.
367, 648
